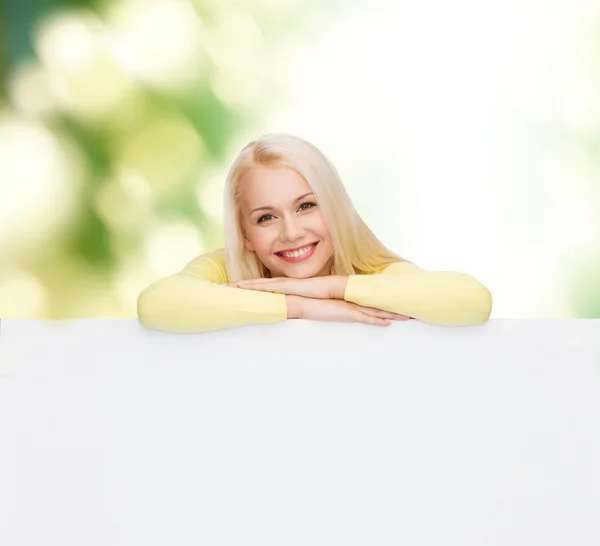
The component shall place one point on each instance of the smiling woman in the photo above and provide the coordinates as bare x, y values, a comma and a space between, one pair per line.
295, 247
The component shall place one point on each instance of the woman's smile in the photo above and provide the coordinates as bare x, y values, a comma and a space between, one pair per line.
300, 254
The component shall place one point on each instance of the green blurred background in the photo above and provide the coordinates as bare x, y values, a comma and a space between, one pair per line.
468, 136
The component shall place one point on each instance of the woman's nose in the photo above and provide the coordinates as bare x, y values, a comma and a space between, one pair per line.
291, 230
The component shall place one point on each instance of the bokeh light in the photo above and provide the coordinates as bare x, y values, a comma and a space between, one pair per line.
85, 75
161, 40
165, 150
40, 183
22, 294
169, 245
29, 90
210, 195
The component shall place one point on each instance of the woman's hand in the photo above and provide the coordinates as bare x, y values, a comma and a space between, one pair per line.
327, 287
331, 310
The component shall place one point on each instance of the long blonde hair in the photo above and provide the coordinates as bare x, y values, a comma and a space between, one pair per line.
356, 250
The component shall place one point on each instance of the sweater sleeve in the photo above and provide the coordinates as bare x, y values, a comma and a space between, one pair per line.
443, 298
195, 300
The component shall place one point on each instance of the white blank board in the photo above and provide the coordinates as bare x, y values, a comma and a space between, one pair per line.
300, 433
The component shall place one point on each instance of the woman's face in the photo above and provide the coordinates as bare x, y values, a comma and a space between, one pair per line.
283, 223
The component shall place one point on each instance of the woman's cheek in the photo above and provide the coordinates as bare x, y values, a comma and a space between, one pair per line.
265, 239
323, 229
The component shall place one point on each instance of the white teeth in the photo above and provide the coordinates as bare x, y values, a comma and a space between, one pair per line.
297, 253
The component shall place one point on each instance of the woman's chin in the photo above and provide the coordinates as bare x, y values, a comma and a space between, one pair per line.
299, 271
305, 272
300, 276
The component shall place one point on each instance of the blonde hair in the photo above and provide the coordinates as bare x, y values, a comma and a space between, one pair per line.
356, 250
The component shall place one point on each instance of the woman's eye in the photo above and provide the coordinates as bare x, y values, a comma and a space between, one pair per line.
265, 218
303, 206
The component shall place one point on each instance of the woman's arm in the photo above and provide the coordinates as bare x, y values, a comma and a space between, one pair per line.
197, 300
444, 298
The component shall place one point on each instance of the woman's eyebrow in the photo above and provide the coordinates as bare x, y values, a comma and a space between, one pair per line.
271, 208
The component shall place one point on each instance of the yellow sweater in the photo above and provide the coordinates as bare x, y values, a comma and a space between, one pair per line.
195, 300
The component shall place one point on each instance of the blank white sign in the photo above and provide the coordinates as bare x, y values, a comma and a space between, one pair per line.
300, 433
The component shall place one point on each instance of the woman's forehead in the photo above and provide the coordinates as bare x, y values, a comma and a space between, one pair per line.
272, 182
